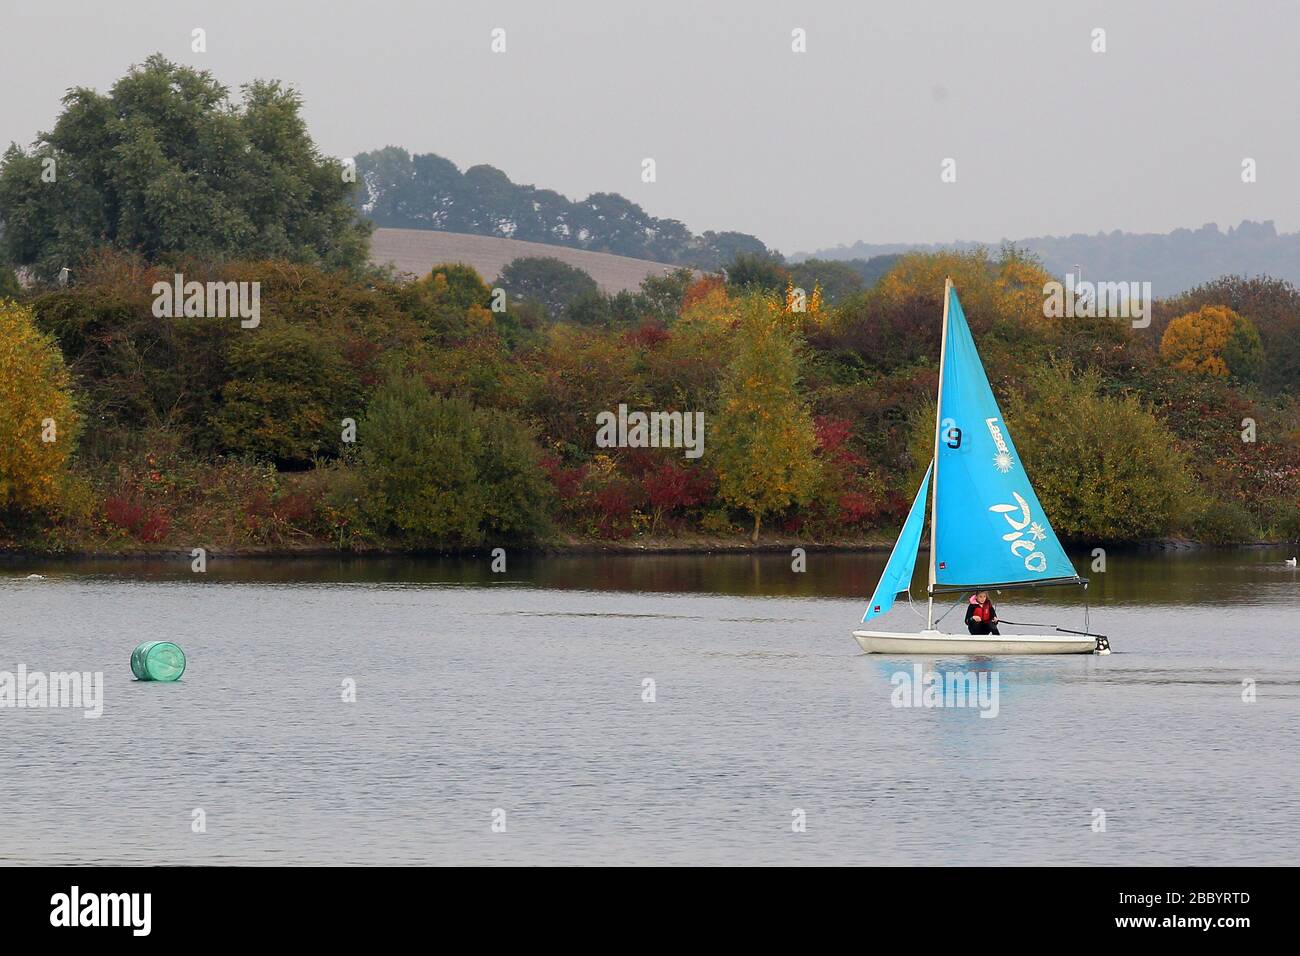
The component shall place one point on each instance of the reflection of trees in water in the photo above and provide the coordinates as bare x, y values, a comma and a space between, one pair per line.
1232, 576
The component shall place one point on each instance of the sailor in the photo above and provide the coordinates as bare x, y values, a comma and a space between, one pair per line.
981, 615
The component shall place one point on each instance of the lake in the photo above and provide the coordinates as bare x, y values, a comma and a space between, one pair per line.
504, 718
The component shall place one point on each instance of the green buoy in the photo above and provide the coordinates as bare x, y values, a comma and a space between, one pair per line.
157, 660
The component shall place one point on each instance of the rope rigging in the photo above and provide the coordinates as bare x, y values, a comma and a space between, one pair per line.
1087, 625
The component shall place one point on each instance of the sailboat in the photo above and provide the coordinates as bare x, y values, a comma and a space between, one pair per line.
987, 528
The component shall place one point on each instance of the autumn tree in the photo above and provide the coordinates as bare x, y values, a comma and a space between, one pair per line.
673, 485
1006, 289
453, 305
763, 440
456, 287
575, 375
1214, 341
896, 323
38, 421
1272, 306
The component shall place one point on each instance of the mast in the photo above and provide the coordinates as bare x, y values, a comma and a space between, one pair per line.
938, 413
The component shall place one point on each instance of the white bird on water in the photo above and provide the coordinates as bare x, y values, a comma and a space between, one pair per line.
1290, 562
35, 577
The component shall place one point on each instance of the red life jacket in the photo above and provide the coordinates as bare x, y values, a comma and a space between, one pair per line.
982, 612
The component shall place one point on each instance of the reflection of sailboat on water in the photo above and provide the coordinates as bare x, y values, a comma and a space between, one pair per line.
987, 529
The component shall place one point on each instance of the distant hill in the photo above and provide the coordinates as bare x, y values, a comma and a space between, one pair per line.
402, 191
1172, 262
427, 192
417, 250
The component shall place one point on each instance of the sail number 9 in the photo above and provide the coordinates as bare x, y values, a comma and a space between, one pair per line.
951, 433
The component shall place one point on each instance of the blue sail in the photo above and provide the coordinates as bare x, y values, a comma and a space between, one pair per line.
897, 575
989, 527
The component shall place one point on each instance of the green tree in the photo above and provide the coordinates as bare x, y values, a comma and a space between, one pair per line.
873, 270
459, 286
167, 165
289, 391
9, 287
547, 280
598, 309
1244, 351
838, 280
763, 440
757, 271
590, 308
663, 294
420, 450
711, 251
519, 497
1105, 468
134, 369
446, 473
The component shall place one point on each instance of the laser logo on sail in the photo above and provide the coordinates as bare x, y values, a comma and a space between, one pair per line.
1002, 461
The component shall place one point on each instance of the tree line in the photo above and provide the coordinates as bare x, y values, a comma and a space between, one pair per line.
427, 191
365, 412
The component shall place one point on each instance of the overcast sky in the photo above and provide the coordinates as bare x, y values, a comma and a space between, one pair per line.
843, 142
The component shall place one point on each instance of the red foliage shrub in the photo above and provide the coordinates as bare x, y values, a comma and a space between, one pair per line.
614, 506
361, 354
648, 334
295, 508
831, 433
141, 521
122, 512
670, 485
857, 508
567, 481
155, 526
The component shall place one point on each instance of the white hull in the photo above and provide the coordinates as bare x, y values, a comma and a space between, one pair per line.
936, 642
